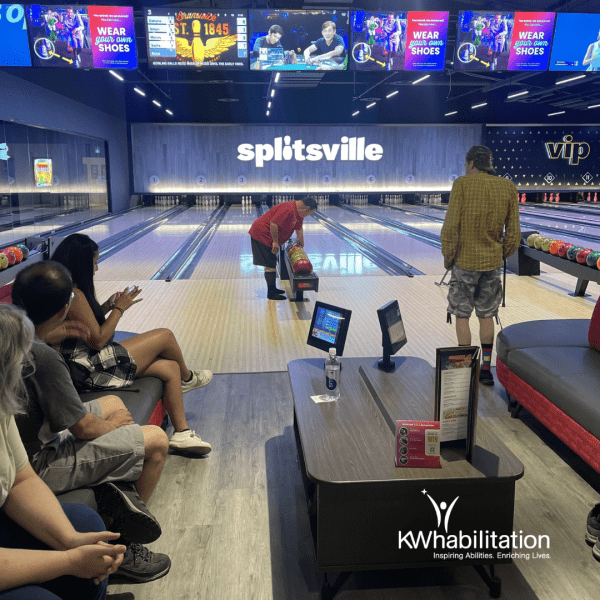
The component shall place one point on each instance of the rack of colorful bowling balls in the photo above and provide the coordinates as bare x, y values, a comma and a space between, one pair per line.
572, 252
13, 256
300, 263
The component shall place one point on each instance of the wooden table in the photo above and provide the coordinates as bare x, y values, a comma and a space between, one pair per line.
366, 513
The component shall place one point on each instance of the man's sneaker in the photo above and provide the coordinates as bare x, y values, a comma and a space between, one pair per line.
199, 379
123, 511
486, 377
140, 565
189, 441
593, 525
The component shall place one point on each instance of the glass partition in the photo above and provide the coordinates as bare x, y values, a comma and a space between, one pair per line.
48, 179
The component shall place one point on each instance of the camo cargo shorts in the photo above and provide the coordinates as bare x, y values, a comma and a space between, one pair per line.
479, 290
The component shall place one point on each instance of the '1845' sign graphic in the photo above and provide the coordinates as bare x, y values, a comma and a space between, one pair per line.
568, 149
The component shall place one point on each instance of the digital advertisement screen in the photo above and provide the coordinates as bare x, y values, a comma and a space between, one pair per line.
396, 41
85, 37
14, 45
531, 41
576, 45
42, 172
298, 40
484, 40
198, 38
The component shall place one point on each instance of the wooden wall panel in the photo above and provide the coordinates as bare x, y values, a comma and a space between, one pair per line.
178, 154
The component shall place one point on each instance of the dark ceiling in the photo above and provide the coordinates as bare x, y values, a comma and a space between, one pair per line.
332, 97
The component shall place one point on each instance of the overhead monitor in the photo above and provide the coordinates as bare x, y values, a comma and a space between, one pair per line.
298, 40
84, 37
329, 327
396, 41
393, 336
576, 45
197, 38
495, 40
14, 45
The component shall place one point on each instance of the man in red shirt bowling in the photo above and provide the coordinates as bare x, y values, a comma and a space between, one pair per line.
272, 230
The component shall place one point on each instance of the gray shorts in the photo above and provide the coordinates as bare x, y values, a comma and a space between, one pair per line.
72, 463
479, 290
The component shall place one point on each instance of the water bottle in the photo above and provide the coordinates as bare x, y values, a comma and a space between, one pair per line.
332, 375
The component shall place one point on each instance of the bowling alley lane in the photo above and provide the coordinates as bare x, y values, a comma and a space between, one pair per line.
140, 260
420, 255
229, 255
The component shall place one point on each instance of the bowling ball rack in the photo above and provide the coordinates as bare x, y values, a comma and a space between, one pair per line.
298, 283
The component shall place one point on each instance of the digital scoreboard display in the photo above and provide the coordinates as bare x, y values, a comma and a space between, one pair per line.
576, 45
504, 41
399, 41
197, 38
86, 37
298, 40
14, 45
329, 327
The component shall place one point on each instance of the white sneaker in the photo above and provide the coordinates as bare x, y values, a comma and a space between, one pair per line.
189, 441
199, 379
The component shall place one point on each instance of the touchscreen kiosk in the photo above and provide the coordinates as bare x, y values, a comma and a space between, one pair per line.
329, 327
393, 336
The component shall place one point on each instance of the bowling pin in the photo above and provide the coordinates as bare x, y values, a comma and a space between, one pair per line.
545, 197
558, 196
589, 196
197, 45
595, 196
552, 197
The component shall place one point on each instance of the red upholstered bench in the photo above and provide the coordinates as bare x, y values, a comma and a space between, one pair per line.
552, 368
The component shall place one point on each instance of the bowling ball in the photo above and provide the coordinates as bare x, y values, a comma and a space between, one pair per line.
17, 252
546, 244
592, 259
25, 250
531, 239
303, 266
538, 242
572, 252
3, 262
12, 259
582, 255
554, 247
562, 249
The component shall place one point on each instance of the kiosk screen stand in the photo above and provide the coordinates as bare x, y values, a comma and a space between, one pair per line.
393, 336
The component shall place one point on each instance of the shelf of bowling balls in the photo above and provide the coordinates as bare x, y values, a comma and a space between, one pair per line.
12, 260
295, 266
581, 262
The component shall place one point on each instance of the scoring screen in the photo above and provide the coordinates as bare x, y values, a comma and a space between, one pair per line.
198, 38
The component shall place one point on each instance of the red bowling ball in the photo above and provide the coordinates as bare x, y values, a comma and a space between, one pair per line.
582, 255
563, 248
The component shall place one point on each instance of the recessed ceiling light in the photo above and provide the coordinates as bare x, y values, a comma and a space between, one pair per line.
272, 93
157, 103
277, 77
594, 106
372, 104
560, 112
355, 113
140, 92
479, 105
518, 94
115, 74
268, 113
168, 111
392, 94
451, 113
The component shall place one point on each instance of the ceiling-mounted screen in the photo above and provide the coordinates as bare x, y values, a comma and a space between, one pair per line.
504, 41
396, 41
197, 37
85, 37
298, 40
14, 46
576, 45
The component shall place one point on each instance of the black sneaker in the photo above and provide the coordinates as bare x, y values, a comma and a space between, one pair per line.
274, 296
593, 525
486, 377
140, 565
123, 511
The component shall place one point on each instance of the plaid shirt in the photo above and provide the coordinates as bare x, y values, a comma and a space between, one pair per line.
482, 208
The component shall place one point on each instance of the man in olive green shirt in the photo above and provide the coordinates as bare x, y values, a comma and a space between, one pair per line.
480, 230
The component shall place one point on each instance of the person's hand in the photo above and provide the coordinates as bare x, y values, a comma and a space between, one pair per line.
120, 418
90, 538
274, 248
68, 329
128, 298
95, 561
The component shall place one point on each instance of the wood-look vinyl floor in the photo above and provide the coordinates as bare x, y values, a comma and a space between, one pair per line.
235, 522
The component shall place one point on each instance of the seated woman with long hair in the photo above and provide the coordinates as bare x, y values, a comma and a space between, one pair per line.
97, 362
47, 552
